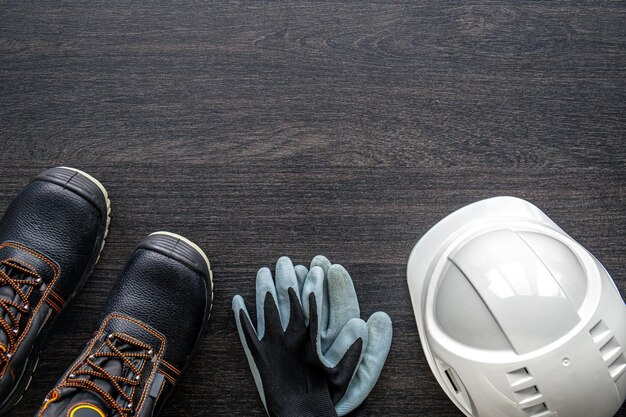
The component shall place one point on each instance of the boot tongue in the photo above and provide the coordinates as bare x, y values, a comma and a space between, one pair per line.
30, 259
75, 402
113, 367
8, 293
86, 403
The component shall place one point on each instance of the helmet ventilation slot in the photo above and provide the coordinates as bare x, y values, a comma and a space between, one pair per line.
539, 410
611, 351
455, 387
451, 380
527, 394
617, 367
519, 377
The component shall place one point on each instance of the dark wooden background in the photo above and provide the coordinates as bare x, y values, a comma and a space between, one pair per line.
265, 128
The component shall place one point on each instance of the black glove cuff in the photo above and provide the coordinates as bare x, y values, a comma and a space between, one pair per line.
313, 404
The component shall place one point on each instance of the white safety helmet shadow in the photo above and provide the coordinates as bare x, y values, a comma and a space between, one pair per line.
515, 317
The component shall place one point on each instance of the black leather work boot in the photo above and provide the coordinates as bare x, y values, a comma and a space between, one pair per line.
151, 324
51, 236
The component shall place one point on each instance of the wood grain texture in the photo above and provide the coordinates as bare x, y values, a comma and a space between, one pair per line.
260, 129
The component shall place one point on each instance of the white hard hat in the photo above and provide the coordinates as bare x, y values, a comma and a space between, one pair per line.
516, 318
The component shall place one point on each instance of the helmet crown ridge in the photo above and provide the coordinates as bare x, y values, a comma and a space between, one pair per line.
525, 298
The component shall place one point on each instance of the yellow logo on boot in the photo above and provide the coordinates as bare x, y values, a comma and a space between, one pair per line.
86, 410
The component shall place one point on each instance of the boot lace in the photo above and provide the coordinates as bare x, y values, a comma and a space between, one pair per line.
15, 277
132, 377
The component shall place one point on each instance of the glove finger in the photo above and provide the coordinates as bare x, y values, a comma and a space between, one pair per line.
346, 354
313, 320
343, 304
247, 338
322, 262
264, 285
314, 284
239, 305
273, 327
247, 333
301, 272
378, 345
296, 332
353, 330
285, 279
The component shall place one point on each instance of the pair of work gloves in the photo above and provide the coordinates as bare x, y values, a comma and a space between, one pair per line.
311, 354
